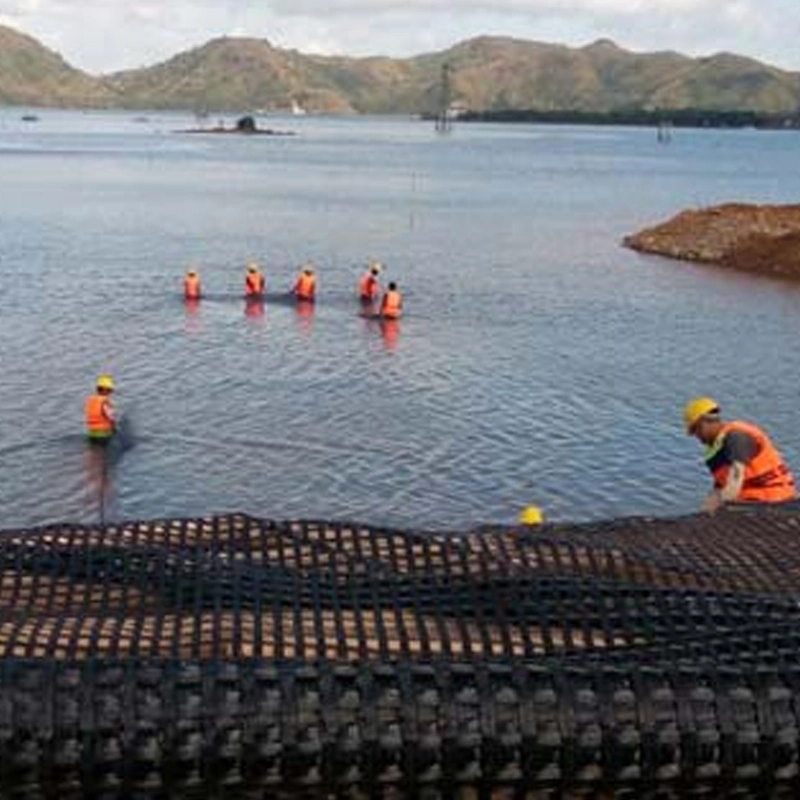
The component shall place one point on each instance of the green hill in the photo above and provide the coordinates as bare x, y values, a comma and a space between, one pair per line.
32, 75
486, 74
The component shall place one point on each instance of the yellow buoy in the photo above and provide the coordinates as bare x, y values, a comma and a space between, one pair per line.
531, 515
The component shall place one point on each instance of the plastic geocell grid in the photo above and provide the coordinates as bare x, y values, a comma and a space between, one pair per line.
237, 655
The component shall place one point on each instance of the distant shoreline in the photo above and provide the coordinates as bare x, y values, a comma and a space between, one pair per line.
677, 118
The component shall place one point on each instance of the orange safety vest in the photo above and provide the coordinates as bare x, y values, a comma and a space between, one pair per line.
305, 287
767, 478
368, 287
97, 422
254, 284
391, 305
191, 287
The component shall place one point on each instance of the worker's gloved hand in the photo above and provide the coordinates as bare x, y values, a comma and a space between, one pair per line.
712, 502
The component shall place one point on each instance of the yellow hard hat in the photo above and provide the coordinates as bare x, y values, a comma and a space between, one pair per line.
531, 515
252, 267
105, 382
191, 272
698, 408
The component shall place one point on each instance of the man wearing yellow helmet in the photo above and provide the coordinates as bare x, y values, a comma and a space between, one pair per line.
100, 418
744, 463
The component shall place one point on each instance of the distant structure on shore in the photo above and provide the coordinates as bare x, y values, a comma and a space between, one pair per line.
443, 118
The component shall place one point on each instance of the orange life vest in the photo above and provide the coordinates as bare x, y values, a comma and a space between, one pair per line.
305, 287
97, 422
254, 284
191, 287
368, 287
767, 478
391, 305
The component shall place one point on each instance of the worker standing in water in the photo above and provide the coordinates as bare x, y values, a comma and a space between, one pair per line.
306, 286
744, 463
100, 417
369, 287
392, 303
191, 285
254, 284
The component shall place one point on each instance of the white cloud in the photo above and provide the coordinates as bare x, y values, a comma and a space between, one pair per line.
105, 35
18, 8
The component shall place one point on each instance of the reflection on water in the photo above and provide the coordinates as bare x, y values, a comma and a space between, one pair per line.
100, 463
193, 319
304, 312
387, 329
254, 309
99, 484
390, 331
540, 362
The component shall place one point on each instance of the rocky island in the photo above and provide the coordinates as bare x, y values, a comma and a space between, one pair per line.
741, 236
244, 125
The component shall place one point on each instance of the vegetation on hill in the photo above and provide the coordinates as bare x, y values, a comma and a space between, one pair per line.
30, 74
488, 75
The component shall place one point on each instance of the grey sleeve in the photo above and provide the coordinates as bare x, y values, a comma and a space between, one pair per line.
739, 446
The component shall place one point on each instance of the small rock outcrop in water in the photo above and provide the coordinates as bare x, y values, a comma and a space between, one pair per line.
753, 238
244, 125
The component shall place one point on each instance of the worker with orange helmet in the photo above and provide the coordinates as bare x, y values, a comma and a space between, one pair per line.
306, 286
191, 285
254, 284
100, 417
369, 287
744, 463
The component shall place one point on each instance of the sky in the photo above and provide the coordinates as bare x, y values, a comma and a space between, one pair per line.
106, 35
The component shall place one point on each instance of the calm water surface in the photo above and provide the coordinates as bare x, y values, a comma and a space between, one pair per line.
538, 361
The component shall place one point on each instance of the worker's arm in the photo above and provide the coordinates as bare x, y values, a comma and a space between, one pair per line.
738, 449
727, 493
109, 413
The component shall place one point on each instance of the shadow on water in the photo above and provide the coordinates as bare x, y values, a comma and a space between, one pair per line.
254, 308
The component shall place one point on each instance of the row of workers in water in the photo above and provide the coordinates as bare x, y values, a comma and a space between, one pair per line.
305, 288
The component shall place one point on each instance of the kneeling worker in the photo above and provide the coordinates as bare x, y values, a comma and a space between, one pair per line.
745, 464
392, 303
306, 285
100, 418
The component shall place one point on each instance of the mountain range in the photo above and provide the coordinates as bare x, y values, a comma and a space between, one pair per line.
484, 74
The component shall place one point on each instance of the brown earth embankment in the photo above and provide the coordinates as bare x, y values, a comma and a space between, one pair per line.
754, 238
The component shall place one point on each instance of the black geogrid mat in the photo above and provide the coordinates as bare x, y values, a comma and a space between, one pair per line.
234, 656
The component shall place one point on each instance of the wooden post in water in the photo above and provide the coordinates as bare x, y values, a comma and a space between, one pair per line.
664, 134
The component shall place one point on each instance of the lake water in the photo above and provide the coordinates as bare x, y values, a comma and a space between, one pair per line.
538, 361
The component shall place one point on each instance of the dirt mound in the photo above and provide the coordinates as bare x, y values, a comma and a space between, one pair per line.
753, 238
